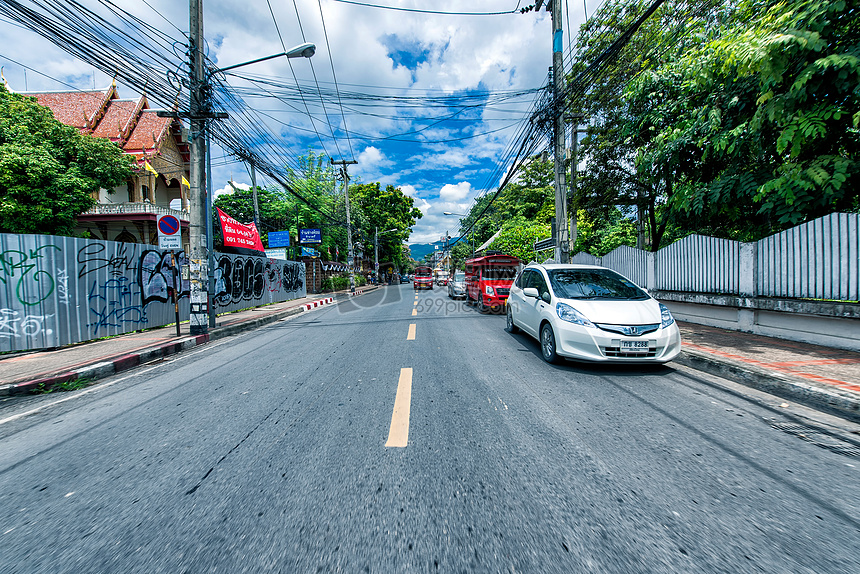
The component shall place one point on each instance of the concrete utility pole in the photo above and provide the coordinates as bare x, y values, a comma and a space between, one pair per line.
197, 216
574, 165
562, 254
350, 261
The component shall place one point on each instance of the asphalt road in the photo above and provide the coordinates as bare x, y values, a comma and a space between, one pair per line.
277, 451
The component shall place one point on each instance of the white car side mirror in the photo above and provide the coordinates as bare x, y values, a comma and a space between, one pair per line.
531, 292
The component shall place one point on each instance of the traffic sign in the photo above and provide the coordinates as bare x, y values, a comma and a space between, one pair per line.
169, 232
310, 236
544, 244
279, 238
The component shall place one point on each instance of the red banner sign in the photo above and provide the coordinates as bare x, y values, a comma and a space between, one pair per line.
239, 235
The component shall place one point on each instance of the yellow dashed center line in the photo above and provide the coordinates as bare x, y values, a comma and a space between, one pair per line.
415, 303
398, 434
414, 312
411, 335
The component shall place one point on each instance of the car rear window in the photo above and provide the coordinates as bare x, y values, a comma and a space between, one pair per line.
594, 284
460, 276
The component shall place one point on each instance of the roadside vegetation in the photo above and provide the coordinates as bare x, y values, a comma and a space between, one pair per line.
371, 207
49, 172
743, 123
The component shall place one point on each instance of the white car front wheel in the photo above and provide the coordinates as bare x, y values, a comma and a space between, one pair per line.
547, 344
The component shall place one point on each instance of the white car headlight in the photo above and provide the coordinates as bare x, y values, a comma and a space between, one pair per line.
488, 290
666, 317
571, 315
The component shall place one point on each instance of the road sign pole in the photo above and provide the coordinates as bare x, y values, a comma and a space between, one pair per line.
176, 293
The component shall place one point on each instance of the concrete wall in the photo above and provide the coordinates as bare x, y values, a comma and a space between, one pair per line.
820, 323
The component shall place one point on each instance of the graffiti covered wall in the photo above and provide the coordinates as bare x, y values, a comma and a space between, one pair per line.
56, 291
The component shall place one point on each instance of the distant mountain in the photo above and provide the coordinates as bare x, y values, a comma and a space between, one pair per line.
419, 250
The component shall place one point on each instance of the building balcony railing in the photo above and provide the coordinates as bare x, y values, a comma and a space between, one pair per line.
134, 208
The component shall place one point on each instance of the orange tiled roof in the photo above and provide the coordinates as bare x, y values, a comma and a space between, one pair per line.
117, 120
148, 134
136, 128
77, 109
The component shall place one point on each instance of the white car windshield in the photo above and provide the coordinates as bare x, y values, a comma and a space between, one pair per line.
459, 276
594, 284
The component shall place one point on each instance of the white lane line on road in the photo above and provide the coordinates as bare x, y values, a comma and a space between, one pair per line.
398, 434
411, 335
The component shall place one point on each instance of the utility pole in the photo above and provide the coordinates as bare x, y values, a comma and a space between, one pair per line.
254, 187
562, 254
350, 263
197, 216
560, 236
574, 165
376, 252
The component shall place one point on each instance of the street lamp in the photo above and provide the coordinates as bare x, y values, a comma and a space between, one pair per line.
470, 228
305, 50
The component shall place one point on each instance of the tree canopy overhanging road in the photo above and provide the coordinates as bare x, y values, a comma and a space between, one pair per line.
401, 432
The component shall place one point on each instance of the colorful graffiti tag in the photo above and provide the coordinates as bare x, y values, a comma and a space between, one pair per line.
56, 291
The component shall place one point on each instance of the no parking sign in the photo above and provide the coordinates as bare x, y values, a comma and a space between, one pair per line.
169, 232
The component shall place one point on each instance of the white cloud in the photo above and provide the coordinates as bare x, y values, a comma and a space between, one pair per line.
228, 189
395, 137
372, 157
455, 192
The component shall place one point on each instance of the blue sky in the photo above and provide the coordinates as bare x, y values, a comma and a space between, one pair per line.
442, 163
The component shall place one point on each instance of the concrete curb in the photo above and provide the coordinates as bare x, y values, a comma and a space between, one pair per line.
774, 383
112, 365
321, 302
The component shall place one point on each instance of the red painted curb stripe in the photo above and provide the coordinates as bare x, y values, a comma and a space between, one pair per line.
126, 362
777, 367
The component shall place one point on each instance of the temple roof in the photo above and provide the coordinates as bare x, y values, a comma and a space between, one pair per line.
148, 134
82, 110
130, 123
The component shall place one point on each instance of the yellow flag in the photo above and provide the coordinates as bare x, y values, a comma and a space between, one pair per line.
185, 182
149, 168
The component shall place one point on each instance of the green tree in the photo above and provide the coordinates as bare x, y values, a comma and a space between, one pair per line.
759, 126
384, 209
612, 178
518, 236
49, 172
275, 213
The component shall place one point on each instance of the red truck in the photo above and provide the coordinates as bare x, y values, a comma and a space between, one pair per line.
489, 279
423, 278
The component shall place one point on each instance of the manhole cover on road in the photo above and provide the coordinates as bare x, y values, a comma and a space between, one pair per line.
818, 437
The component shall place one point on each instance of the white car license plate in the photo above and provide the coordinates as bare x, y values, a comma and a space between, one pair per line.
635, 346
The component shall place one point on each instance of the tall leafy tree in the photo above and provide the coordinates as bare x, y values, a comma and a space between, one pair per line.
49, 172
384, 209
612, 179
759, 126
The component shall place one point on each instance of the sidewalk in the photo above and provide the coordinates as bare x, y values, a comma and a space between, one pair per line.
820, 377
23, 373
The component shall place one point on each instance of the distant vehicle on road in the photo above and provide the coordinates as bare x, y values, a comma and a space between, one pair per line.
404, 278
457, 285
488, 280
441, 277
423, 278
590, 313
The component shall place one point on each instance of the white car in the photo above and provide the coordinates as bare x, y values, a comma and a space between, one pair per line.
590, 313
